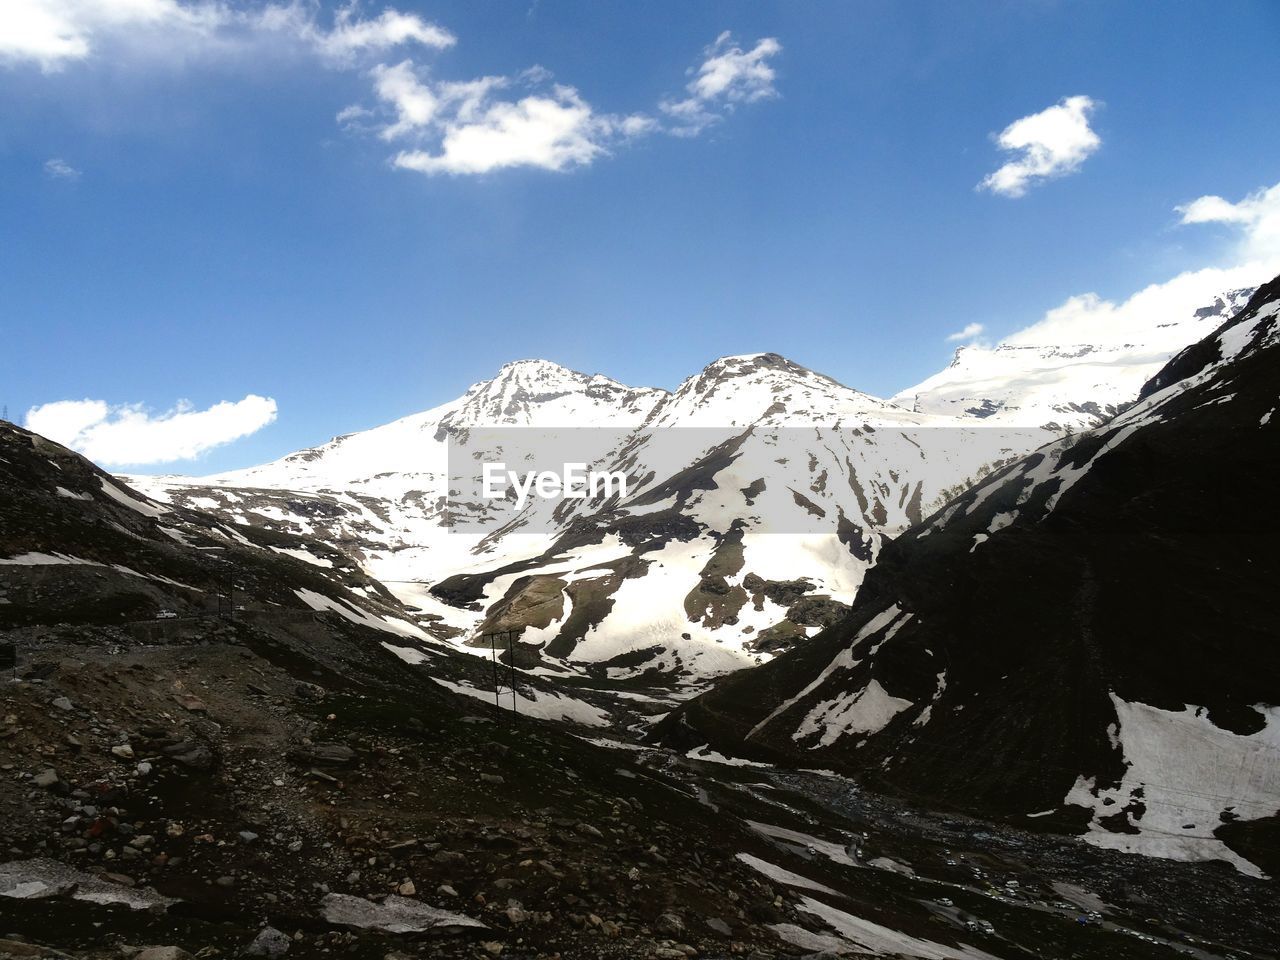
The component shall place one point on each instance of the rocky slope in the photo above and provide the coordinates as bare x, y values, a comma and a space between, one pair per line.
78, 545
1084, 642
280, 780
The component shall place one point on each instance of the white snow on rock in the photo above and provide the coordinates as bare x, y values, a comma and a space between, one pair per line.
868, 937
782, 875
835, 852
542, 704
44, 559
865, 711
306, 556
818, 943
1186, 772
41, 878
890, 620
410, 655
708, 755
318, 601
144, 507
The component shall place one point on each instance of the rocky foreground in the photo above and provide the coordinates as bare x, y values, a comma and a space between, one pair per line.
207, 797
228, 797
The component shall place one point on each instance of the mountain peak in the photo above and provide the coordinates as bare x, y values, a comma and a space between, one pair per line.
542, 392
738, 364
535, 365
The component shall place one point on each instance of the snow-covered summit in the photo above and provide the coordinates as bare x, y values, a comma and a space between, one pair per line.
750, 388
544, 393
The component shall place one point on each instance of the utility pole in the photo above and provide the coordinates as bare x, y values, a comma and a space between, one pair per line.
496, 638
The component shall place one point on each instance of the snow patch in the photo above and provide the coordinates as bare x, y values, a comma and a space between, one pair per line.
539, 703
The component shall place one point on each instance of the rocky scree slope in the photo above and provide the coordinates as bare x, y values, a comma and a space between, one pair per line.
1085, 642
180, 780
84, 555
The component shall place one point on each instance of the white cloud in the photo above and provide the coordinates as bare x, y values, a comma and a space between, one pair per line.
495, 123
727, 76
128, 434
1254, 259
390, 29
1257, 214
1089, 318
468, 127
553, 132
439, 127
52, 34
970, 331
1051, 143
414, 102
59, 169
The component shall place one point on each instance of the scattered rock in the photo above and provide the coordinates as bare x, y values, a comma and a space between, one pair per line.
324, 754
18, 948
393, 915
190, 753
310, 691
191, 703
269, 943
162, 953
670, 924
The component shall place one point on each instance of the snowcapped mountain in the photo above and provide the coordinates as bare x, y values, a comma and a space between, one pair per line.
381, 495
1098, 616
759, 494
1038, 378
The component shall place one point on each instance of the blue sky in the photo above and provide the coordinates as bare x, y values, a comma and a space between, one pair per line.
185, 218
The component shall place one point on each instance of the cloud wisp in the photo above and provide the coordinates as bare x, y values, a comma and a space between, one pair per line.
1052, 143
727, 76
58, 169
971, 331
1257, 217
129, 434
496, 123
53, 34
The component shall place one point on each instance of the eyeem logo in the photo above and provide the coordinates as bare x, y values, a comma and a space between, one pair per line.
573, 482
